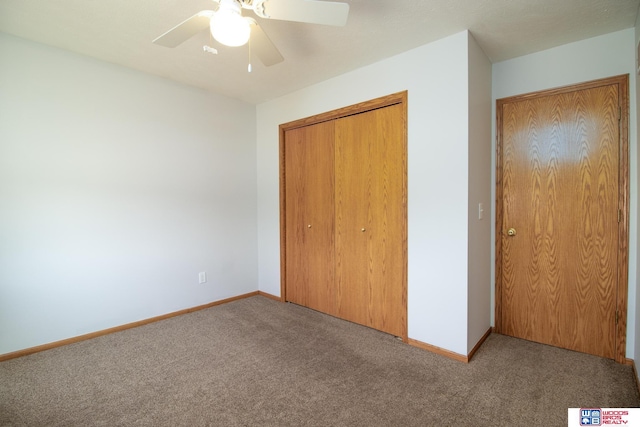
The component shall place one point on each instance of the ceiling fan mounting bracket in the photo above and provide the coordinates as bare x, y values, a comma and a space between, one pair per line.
258, 8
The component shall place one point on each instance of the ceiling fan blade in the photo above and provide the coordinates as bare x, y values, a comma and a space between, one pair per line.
263, 46
186, 29
311, 11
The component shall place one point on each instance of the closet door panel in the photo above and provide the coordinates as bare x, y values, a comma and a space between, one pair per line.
371, 219
387, 221
353, 166
309, 186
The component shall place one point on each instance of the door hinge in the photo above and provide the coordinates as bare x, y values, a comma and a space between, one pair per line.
616, 317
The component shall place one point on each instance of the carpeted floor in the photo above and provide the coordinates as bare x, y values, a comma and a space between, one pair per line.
258, 362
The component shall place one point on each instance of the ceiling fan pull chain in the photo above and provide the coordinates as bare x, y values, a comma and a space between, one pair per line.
249, 67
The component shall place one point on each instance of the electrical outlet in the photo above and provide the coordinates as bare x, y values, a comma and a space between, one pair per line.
202, 277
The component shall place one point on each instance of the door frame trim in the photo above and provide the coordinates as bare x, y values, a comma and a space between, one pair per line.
623, 201
384, 101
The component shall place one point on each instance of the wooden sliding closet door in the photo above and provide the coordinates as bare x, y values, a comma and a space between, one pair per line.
309, 172
370, 218
343, 189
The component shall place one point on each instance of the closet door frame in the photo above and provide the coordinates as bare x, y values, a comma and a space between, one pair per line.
385, 101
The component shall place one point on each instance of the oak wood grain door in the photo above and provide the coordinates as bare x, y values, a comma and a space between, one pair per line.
560, 200
310, 273
343, 213
370, 219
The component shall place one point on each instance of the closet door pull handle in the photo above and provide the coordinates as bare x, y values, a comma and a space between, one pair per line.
363, 230
309, 226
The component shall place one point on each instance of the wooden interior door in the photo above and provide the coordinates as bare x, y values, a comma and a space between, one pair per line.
310, 216
370, 219
559, 209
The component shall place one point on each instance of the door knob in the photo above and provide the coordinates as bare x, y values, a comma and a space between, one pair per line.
363, 230
309, 226
511, 232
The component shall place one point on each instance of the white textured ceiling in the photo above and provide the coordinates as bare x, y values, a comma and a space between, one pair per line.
120, 31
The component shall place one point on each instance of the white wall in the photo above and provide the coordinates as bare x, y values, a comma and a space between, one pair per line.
436, 76
599, 57
480, 166
116, 189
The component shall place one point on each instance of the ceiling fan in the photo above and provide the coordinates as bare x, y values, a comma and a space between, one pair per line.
230, 28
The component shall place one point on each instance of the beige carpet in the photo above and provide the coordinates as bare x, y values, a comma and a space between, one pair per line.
258, 362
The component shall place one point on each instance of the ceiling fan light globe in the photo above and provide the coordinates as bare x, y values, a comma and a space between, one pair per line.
230, 28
